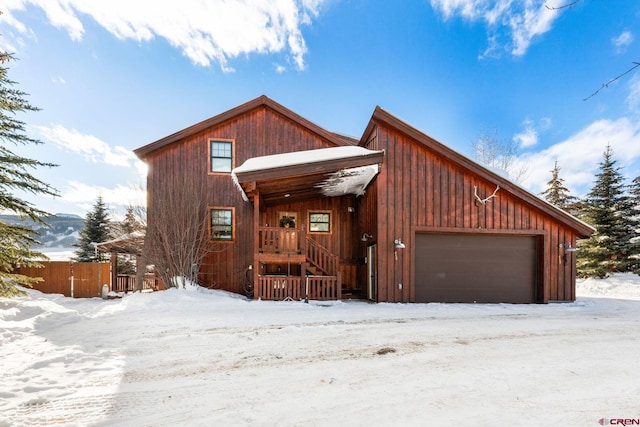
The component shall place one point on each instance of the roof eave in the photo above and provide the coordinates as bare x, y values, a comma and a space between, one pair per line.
324, 166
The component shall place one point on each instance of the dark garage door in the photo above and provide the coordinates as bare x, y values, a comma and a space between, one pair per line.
475, 268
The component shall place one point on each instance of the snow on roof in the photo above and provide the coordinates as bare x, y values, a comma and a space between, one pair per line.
129, 236
300, 158
346, 181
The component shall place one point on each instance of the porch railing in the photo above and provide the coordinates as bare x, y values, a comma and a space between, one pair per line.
323, 288
280, 240
127, 283
279, 288
321, 258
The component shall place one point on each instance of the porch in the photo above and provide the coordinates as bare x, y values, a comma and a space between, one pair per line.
311, 269
302, 183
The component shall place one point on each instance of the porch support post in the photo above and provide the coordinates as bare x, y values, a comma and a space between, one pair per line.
256, 244
303, 281
114, 270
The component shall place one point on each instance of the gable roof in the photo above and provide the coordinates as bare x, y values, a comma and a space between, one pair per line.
381, 116
261, 101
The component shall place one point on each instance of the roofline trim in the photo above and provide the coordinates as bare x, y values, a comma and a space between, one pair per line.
261, 101
379, 115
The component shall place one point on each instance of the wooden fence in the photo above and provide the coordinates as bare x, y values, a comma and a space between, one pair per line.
72, 279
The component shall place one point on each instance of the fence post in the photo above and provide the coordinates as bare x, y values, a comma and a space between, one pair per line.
71, 271
306, 290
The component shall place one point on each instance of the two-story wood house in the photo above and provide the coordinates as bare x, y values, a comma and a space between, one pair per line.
395, 216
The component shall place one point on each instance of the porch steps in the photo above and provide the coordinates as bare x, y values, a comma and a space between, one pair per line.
314, 270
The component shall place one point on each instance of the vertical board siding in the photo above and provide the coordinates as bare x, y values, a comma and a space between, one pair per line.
258, 132
418, 188
367, 213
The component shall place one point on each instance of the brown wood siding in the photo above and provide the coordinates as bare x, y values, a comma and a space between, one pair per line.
418, 189
259, 132
367, 214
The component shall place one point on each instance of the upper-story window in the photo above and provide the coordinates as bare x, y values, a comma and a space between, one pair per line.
221, 152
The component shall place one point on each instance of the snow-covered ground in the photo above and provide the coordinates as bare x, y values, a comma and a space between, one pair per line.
211, 358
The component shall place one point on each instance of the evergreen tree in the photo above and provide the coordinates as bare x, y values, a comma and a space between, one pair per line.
97, 229
634, 231
129, 225
557, 194
15, 240
607, 251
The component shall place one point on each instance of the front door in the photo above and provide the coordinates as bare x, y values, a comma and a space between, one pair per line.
288, 238
372, 273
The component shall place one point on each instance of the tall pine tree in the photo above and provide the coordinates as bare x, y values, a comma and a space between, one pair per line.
97, 229
557, 194
16, 241
607, 250
130, 227
634, 230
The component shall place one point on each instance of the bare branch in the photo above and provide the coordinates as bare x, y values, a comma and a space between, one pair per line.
177, 233
606, 85
502, 154
565, 6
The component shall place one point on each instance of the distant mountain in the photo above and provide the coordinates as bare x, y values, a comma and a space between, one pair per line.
63, 232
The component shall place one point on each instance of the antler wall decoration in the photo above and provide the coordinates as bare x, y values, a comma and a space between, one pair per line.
480, 201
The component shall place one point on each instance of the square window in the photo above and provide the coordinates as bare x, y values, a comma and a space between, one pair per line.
221, 224
319, 222
221, 156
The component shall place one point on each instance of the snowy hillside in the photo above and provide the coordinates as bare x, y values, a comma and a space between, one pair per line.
210, 358
63, 230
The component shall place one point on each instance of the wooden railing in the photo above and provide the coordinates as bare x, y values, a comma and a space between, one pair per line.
323, 288
279, 288
321, 258
127, 283
327, 285
280, 240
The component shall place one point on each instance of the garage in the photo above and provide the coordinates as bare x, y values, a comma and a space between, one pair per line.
482, 268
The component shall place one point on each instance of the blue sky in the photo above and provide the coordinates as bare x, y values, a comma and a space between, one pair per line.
112, 76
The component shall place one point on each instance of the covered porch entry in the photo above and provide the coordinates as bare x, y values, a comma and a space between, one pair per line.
298, 232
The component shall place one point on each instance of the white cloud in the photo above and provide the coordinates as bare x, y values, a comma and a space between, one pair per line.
545, 123
88, 146
622, 42
528, 137
205, 31
85, 195
633, 98
518, 20
580, 155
